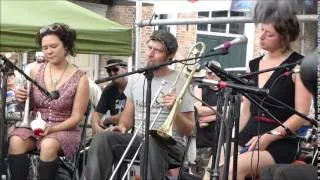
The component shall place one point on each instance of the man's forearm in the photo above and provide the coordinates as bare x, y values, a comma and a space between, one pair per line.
205, 111
185, 122
115, 119
96, 118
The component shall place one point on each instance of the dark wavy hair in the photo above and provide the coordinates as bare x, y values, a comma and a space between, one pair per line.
282, 14
63, 32
288, 30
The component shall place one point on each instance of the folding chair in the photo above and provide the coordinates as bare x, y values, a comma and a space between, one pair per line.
68, 168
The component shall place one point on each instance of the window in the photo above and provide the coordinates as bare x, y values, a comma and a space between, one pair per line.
236, 28
203, 27
232, 28
219, 27
163, 27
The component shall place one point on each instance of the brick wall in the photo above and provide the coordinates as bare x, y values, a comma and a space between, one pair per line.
146, 31
318, 26
126, 15
184, 32
186, 35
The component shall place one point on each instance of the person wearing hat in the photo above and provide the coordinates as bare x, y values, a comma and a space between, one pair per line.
107, 147
112, 98
39, 59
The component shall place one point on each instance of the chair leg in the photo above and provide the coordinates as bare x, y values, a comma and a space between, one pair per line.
34, 164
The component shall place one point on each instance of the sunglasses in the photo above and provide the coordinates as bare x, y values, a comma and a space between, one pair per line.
115, 69
51, 28
11, 74
209, 73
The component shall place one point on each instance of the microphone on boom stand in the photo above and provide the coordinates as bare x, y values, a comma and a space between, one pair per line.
228, 44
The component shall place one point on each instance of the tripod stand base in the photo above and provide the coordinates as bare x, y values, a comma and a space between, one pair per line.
163, 137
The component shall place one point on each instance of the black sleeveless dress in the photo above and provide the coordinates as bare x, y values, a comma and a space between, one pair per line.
282, 88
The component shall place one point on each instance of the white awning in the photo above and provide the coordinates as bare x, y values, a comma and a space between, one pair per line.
182, 6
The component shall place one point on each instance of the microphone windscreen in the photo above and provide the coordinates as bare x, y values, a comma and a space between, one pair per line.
308, 72
54, 95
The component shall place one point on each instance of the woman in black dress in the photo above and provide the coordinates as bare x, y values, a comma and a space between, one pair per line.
266, 140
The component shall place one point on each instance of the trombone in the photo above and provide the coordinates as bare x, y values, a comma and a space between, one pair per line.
163, 83
165, 131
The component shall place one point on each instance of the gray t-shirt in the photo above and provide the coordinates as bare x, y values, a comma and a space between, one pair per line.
136, 93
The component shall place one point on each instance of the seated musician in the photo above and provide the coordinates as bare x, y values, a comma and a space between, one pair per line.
107, 147
112, 98
266, 141
302, 169
206, 120
62, 115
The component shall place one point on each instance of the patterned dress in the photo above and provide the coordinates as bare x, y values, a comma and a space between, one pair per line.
54, 112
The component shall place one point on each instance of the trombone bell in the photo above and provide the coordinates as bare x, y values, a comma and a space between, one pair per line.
163, 137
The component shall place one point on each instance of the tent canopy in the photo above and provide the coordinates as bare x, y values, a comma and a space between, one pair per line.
20, 20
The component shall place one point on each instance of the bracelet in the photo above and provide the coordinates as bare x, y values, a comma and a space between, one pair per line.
278, 133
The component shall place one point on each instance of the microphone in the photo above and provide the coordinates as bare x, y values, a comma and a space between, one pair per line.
224, 84
54, 95
292, 71
228, 44
308, 70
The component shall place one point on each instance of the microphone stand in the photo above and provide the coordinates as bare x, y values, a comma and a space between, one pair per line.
217, 135
225, 75
233, 112
3, 129
148, 71
149, 75
285, 66
4, 70
8, 63
214, 175
154, 67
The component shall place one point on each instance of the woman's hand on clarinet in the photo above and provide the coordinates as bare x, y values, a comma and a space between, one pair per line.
47, 131
21, 93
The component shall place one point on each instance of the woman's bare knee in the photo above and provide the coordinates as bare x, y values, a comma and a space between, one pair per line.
17, 145
49, 149
250, 164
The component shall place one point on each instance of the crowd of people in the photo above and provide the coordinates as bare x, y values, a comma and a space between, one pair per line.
120, 110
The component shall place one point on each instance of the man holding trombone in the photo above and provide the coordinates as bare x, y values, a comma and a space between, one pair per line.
107, 147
